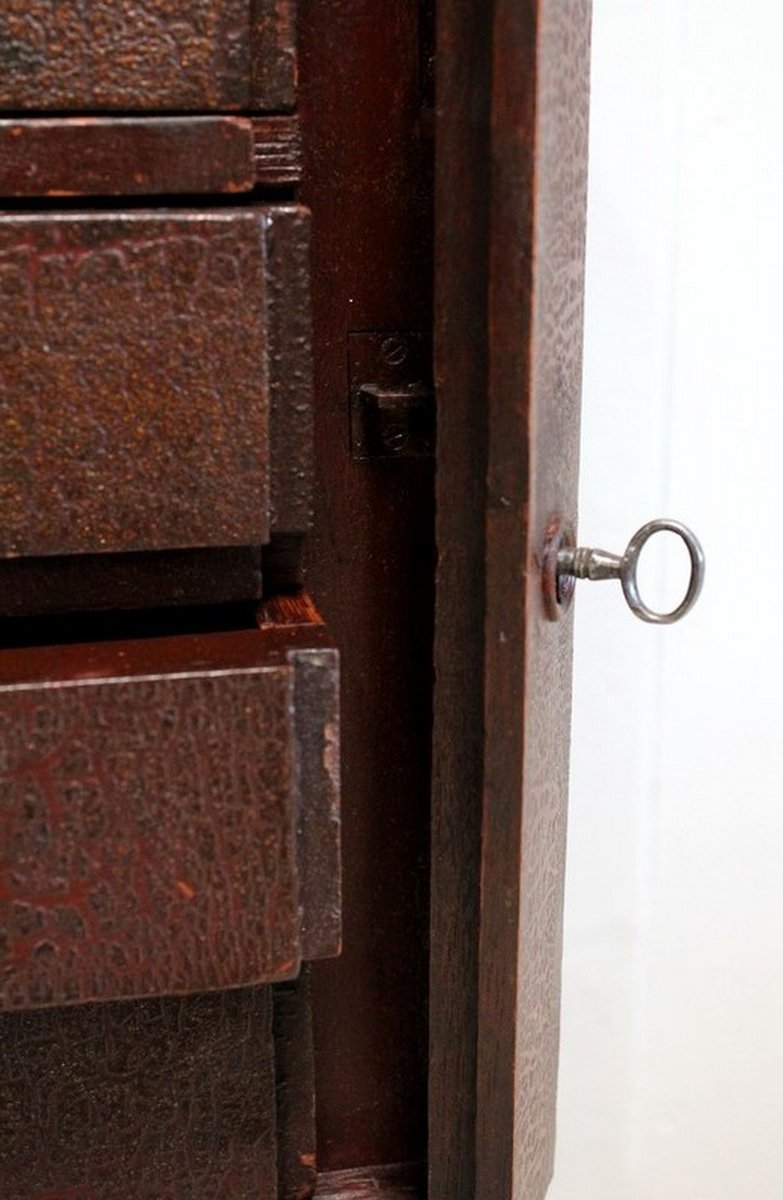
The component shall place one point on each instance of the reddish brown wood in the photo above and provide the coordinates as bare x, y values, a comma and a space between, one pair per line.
171, 1098
186, 55
136, 401
93, 156
136, 405
116, 156
295, 1083
369, 566
461, 254
205, 576
509, 365
153, 819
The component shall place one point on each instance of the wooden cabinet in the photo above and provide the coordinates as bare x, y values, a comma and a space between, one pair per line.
281, 876
169, 697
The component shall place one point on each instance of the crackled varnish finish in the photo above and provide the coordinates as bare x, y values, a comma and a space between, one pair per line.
124, 363
188, 55
512, 144
164, 1099
169, 798
157, 799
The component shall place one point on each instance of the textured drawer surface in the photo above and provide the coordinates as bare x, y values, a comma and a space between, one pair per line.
157, 802
135, 377
171, 1098
187, 55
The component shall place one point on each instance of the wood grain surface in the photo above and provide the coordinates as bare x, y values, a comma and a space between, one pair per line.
187, 55
369, 564
510, 309
461, 362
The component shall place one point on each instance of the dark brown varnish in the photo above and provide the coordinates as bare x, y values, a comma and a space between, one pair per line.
170, 1098
295, 1088
110, 582
369, 567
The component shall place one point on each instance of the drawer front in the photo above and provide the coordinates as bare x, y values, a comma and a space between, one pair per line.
162, 55
169, 1098
147, 156
170, 815
141, 354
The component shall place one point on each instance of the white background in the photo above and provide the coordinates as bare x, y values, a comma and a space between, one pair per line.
671, 1082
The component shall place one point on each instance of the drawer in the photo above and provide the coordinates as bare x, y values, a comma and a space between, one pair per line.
170, 813
165, 1098
162, 55
147, 156
155, 384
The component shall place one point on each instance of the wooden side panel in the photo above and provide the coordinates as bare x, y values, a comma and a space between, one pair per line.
462, 203
370, 566
539, 197
186, 55
135, 403
171, 1098
532, 203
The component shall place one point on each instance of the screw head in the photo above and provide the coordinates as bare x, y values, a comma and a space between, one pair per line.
394, 350
395, 438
